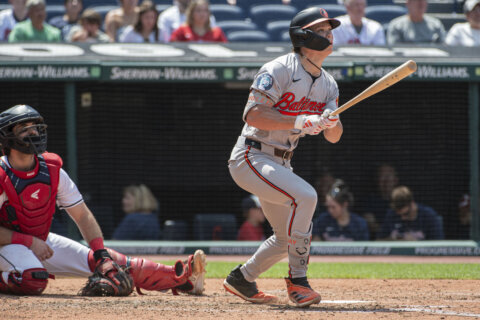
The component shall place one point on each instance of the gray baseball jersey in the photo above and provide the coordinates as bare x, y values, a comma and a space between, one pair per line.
294, 92
287, 200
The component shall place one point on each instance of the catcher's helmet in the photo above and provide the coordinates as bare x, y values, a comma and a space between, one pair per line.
30, 144
301, 36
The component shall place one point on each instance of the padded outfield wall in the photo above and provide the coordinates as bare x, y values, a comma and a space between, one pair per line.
168, 116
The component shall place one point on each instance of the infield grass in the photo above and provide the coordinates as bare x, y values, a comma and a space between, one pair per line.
216, 269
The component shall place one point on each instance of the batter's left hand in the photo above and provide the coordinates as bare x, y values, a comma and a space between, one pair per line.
329, 120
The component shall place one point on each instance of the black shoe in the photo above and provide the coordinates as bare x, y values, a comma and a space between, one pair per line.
236, 284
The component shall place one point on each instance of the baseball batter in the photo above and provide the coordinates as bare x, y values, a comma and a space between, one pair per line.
32, 181
291, 96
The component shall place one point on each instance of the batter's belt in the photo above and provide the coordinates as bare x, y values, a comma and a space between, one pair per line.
284, 154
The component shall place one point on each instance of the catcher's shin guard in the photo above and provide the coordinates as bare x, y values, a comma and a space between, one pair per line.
31, 282
149, 275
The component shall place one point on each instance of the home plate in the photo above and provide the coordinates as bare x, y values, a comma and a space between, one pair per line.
345, 301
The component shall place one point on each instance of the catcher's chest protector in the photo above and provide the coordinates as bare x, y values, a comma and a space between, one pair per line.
31, 196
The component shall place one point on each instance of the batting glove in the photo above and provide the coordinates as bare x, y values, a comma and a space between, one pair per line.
309, 124
328, 120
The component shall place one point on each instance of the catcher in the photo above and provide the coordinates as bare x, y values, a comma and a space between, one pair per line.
31, 182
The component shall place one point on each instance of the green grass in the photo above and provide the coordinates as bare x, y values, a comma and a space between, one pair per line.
217, 269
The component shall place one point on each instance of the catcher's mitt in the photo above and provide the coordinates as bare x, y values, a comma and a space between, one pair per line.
108, 279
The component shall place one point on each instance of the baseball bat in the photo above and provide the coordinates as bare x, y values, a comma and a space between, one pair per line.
384, 82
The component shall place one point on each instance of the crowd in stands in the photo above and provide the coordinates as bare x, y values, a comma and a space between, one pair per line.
162, 21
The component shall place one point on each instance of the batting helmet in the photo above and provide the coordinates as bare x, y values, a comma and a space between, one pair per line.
30, 144
302, 36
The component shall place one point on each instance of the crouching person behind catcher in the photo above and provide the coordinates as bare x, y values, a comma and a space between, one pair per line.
32, 181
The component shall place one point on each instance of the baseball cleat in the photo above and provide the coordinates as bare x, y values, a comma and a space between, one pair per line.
239, 286
300, 292
198, 272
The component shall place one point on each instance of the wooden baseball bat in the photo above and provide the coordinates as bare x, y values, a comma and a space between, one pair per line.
384, 82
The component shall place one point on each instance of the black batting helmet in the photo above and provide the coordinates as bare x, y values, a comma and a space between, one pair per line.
30, 144
301, 36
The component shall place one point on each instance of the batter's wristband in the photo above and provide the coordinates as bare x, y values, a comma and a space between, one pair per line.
21, 238
96, 244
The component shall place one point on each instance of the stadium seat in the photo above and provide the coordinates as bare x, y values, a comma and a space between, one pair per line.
97, 3
236, 25
248, 36
263, 14
215, 226
303, 4
246, 5
377, 2
333, 10
54, 10
223, 12
440, 7
162, 7
384, 13
276, 28
448, 20
175, 230
285, 37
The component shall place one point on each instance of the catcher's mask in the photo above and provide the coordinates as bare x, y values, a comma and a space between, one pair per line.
302, 36
29, 144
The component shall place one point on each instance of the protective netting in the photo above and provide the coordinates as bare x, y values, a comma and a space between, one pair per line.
176, 139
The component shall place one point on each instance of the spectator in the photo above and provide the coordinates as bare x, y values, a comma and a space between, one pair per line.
35, 29
252, 228
197, 27
145, 29
466, 34
339, 224
70, 18
173, 17
10, 17
323, 184
355, 28
141, 221
88, 29
458, 226
117, 19
409, 220
377, 204
415, 27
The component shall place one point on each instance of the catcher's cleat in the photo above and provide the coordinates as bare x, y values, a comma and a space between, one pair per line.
196, 268
239, 286
300, 292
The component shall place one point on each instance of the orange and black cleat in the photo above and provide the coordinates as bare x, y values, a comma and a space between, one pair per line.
300, 292
239, 286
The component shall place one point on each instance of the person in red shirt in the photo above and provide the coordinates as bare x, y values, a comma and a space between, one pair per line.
197, 27
252, 228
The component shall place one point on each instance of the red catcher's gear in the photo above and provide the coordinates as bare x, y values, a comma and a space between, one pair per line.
31, 282
149, 275
31, 196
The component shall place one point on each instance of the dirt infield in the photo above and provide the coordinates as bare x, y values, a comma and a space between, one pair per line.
341, 298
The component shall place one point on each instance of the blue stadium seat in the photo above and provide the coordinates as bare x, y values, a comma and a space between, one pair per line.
236, 25
248, 36
246, 5
333, 10
223, 12
384, 13
303, 4
215, 226
285, 37
96, 3
448, 20
175, 230
263, 14
440, 7
377, 2
276, 28
162, 7
54, 10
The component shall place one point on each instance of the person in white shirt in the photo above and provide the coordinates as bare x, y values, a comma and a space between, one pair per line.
466, 34
10, 17
355, 28
173, 17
